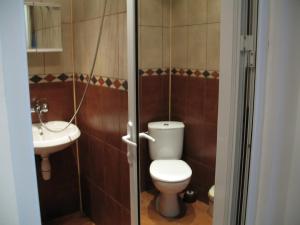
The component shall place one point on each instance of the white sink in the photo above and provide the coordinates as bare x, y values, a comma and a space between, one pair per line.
46, 142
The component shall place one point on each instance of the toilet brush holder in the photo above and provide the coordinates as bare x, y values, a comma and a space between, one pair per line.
190, 196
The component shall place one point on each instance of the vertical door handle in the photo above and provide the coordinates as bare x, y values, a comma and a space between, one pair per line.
131, 144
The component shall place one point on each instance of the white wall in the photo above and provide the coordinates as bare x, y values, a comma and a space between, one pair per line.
18, 186
279, 181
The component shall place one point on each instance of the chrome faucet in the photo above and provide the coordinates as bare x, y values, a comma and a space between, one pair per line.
39, 106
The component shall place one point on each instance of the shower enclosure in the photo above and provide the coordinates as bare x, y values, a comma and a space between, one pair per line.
167, 67
176, 58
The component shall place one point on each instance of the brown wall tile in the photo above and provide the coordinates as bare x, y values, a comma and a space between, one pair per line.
112, 211
101, 113
104, 167
111, 103
195, 103
153, 97
86, 195
112, 172
153, 106
124, 197
98, 161
97, 204
178, 97
89, 119
202, 178
125, 217
211, 101
59, 97
60, 195
84, 155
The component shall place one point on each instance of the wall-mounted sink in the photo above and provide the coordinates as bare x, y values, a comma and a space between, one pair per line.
46, 142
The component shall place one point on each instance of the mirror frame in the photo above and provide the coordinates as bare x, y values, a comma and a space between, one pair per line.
37, 50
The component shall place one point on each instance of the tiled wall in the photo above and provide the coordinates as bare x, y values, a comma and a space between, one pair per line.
104, 166
194, 98
112, 55
60, 195
194, 64
55, 63
153, 106
103, 116
154, 34
195, 102
154, 59
196, 34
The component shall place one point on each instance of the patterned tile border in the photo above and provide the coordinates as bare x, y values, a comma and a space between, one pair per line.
122, 84
49, 78
204, 74
154, 72
102, 81
97, 80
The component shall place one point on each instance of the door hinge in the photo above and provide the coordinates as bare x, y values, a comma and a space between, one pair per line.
251, 59
248, 48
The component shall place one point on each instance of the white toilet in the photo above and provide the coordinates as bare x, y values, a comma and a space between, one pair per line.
169, 174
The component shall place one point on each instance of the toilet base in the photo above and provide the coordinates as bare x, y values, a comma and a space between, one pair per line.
168, 205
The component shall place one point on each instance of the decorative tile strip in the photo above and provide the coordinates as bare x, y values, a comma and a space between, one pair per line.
205, 74
102, 81
49, 78
154, 72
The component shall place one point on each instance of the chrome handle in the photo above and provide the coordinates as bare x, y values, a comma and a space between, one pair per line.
39, 106
146, 136
126, 139
44, 107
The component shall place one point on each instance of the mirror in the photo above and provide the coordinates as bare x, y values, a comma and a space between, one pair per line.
43, 27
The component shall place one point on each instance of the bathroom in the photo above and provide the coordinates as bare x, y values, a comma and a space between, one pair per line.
147, 112
178, 81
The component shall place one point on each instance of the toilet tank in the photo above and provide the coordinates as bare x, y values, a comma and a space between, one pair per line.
168, 137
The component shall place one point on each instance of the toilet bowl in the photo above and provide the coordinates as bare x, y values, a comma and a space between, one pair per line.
169, 174
170, 177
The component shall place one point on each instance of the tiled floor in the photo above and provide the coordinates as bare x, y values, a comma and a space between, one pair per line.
196, 213
73, 219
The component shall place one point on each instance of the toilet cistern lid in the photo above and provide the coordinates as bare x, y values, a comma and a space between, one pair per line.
170, 170
165, 125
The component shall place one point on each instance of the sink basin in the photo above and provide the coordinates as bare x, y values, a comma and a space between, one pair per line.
46, 142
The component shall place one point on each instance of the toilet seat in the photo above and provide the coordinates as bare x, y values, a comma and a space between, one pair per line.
170, 170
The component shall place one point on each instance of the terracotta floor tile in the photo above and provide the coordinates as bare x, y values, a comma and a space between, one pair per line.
196, 213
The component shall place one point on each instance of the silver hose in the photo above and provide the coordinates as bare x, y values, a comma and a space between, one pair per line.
88, 82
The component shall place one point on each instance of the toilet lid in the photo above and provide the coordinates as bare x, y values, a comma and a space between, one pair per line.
170, 170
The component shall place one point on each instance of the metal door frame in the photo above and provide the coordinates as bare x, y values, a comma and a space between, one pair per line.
131, 138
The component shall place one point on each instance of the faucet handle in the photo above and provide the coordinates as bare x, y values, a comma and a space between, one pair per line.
39, 105
44, 107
